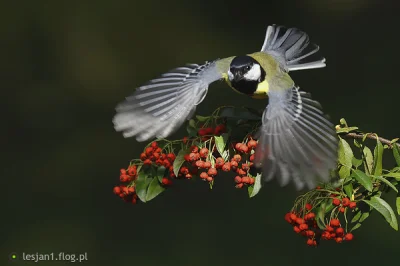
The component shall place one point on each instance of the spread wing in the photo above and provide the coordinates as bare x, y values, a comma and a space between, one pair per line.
296, 140
159, 107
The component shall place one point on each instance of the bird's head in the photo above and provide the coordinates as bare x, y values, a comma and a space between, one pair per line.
245, 73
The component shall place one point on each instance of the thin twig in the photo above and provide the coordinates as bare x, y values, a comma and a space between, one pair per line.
371, 136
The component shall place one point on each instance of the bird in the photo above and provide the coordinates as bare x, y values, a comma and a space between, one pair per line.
296, 141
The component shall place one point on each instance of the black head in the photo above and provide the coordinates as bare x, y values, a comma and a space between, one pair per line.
245, 73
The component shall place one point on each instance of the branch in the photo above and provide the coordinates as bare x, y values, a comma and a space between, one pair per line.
371, 136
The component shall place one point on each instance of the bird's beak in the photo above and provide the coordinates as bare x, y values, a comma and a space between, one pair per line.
237, 77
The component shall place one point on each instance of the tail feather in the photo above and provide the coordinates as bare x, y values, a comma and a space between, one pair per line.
292, 48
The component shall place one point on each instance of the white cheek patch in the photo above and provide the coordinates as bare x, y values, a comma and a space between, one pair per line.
230, 75
254, 73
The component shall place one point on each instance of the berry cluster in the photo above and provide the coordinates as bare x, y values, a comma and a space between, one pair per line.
343, 203
336, 232
127, 192
206, 132
305, 225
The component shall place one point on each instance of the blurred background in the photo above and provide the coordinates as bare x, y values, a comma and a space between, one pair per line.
64, 65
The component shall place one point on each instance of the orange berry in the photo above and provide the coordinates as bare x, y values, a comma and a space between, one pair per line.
240, 185
209, 178
226, 167
241, 172
339, 239
219, 162
237, 157
234, 164
245, 166
342, 209
188, 176
251, 181
203, 175
244, 148
203, 153
251, 158
207, 165
293, 216
352, 205
246, 180
300, 221
238, 145
131, 190
296, 229
252, 144
238, 179
212, 172
200, 164
122, 171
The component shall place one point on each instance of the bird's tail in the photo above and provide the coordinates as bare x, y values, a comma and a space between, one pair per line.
292, 48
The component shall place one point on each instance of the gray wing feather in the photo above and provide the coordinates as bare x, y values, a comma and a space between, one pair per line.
159, 107
292, 48
296, 141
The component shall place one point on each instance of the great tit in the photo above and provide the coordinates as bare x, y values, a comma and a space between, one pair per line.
296, 142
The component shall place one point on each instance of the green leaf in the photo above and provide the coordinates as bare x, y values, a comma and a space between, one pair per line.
383, 208
355, 227
357, 144
154, 189
394, 175
141, 186
160, 173
346, 129
343, 122
378, 152
363, 179
369, 159
220, 142
192, 131
345, 158
387, 182
396, 153
356, 217
356, 162
179, 160
192, 123
202, 118
348, 189
398, 204
253, 190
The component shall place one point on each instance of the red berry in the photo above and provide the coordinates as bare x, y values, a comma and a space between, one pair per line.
340, 231
226, 167
238, 179
345, 202
122, 171
296, 229
300, 221
149, 151
219, 129
310, 242
203, 153
123, 178
335, 222
202, 132
185, 139
287, 218
194, 149
348, 237
251, 181
203, 175
308, 206
209, 130
310, 233
184, 170
245, 166
194, 156
132, 170
293, 216
209, 178
154, 144
342, 209
352, 205
186, 157
131, 190
303, 227
212, 171
165, 181
147, 162
171, 157
117, 190
336, 202
329, 229
318, 187
238, 146
234, 164
326, 235
166, 163
188, 176
143, 156
237, 157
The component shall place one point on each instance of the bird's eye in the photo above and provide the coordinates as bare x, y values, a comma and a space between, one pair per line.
247, 67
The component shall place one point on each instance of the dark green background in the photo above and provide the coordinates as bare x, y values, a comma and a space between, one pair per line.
64, 65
